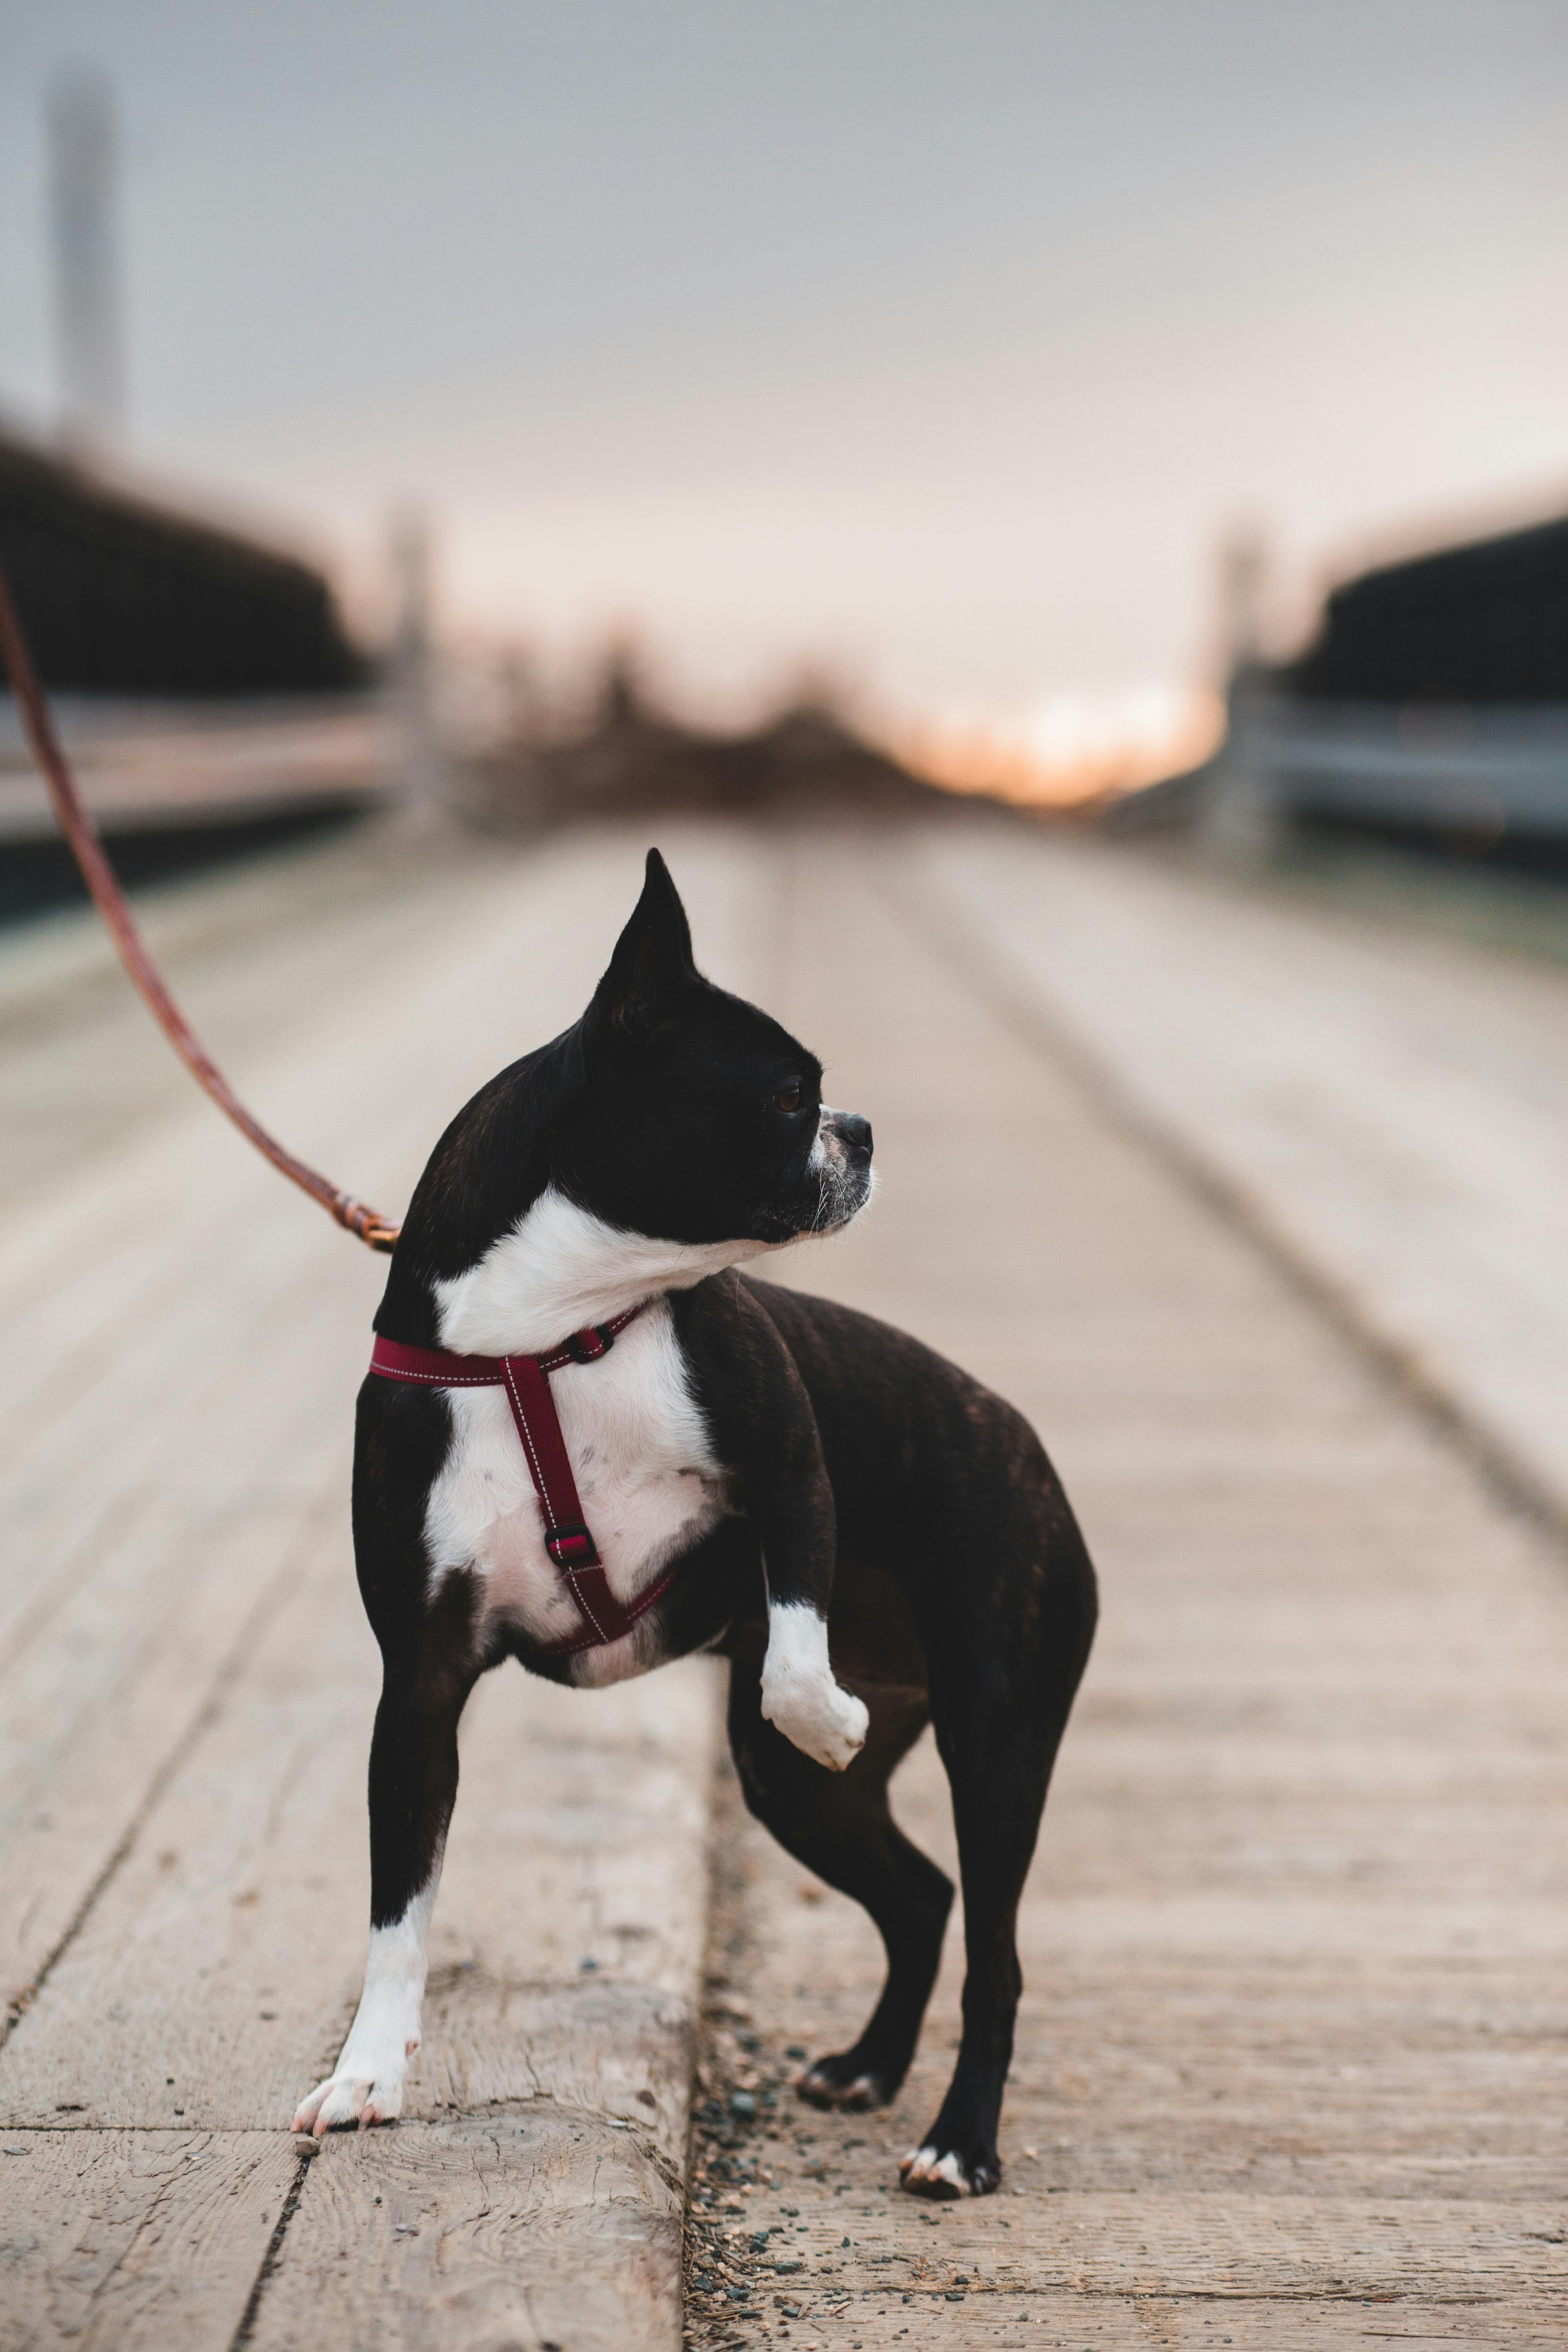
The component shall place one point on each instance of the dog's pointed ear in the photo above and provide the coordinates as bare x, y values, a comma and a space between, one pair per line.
652, 963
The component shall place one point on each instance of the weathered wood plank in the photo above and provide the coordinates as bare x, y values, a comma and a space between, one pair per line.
108, 1706
1290, 2062
562, 1841
252, 953
225, 1953
134, 2242
1392, 1102
523, 2226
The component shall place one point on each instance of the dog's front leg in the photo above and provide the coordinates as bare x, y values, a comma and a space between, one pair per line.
767, 1431
800, 1695
413, 1786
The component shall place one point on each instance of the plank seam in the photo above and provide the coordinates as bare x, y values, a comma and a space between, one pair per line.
268, 2264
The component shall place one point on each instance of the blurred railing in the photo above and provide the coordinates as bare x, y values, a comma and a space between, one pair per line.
1502, 768
147, 766
1476, 773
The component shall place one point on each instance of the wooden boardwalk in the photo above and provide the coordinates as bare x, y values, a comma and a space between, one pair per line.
1292, 2063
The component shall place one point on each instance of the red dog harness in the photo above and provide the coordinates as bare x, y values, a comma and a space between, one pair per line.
527, 1383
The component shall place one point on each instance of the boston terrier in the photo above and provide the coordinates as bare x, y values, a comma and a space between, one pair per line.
590, 1444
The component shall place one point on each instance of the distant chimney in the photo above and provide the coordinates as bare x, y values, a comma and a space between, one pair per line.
415, 668
1243, 587
83, 189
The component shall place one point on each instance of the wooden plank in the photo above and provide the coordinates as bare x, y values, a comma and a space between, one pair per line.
1393, 1103
181, 1969
1466, 2252
226, 1952
224, 1956
253, 954
1290, 2065
111, 1706
134, 2242
517, 2225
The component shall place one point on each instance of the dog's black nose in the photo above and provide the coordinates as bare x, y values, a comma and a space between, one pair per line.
856, 1131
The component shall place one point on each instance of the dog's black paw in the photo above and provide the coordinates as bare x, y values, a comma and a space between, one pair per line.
849, 2080
941, 2171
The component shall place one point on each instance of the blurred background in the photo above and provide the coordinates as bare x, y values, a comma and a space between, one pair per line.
1002, 378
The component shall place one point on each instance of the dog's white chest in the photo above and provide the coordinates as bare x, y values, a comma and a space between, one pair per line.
644, 1469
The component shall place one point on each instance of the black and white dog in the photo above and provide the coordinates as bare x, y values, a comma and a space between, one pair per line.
815, 1481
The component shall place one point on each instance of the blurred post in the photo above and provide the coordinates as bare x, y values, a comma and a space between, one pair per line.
83, 189
423, 777
1241, 810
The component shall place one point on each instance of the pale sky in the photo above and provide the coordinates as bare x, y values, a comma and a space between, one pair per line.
936, 342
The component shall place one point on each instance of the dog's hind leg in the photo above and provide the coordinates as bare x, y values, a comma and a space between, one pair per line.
413, 1787
838, 1825
1002, 1686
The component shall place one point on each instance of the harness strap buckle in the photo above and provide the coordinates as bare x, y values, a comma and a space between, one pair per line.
571, 1546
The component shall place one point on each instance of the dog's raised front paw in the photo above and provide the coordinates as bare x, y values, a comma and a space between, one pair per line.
824, 1722
799, 1696
943, 2173
358, 2094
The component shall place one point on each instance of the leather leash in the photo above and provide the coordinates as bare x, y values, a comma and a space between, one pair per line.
526, 1380
377, 1231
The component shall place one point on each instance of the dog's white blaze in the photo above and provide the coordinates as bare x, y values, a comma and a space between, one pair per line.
560, 1268
800, 1696
367, 2082
646, 1473
649, 1483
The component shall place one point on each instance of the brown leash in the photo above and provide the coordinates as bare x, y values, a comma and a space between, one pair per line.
79, 830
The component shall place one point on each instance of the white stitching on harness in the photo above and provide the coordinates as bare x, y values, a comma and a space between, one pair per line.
522, 1418
571, 1576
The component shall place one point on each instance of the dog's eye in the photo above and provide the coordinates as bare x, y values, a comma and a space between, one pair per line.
788, 1097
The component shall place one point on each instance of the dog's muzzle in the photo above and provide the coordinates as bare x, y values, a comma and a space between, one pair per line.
842, 1166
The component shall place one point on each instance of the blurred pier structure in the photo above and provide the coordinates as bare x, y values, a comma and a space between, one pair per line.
203, 680
1431, 707
1251, 1210
624, 753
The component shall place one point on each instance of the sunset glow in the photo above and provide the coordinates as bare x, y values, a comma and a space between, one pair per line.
1069, 750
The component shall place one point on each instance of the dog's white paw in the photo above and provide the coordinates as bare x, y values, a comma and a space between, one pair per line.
943, 2171
366, 2086
824, 1722
799, 1696
357, 2093
923, 2165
